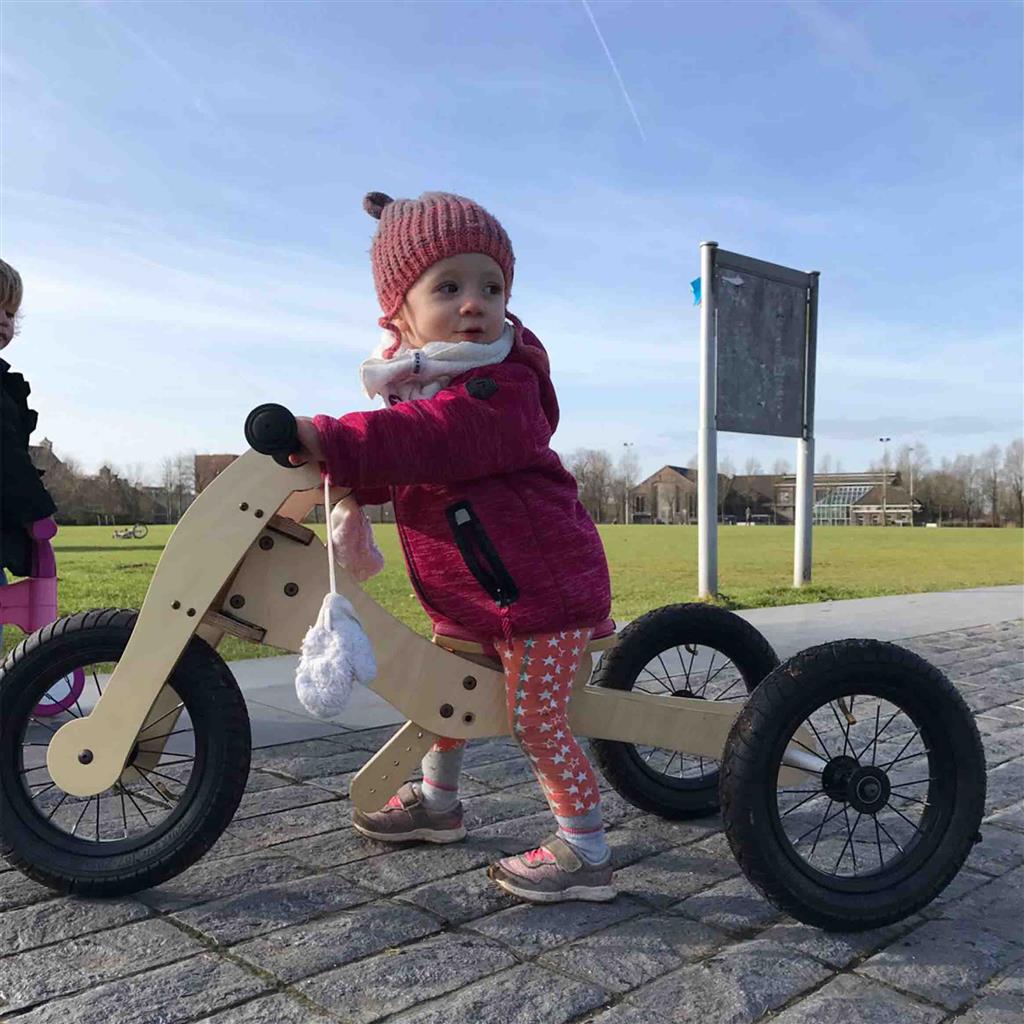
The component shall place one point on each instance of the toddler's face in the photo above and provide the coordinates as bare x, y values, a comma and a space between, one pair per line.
461, 298
7, 318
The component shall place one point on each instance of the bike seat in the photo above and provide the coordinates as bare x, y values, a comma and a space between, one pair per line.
454, 638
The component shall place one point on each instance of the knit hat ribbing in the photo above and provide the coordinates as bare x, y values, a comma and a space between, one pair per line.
414, 234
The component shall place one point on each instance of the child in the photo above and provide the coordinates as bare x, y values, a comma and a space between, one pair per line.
495, 539
23, 498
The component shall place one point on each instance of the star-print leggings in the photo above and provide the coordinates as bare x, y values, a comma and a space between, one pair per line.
539, 671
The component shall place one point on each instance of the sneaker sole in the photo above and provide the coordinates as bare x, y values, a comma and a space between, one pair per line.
426, 835
588, 893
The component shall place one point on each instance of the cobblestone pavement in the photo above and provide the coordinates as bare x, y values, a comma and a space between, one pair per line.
293, 917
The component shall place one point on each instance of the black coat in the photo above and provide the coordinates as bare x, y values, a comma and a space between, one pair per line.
23, 498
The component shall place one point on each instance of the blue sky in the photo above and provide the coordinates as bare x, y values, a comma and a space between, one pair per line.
181, 188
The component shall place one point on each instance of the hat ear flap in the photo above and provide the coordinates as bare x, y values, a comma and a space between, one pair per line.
374, 203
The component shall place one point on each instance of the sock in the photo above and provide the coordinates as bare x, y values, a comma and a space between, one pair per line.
585, 834
439, 790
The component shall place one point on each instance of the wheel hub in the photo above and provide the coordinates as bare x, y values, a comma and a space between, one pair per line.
868, 789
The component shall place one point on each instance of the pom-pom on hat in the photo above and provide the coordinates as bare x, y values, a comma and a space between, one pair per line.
415, 233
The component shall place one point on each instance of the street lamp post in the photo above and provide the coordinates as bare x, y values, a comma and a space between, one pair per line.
910, 452
625, 516
885, 476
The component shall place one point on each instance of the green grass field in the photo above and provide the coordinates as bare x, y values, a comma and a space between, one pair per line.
650, 566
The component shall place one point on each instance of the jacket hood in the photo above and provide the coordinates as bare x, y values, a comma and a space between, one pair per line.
528, 350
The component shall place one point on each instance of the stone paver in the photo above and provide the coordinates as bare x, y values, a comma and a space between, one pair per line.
294, 918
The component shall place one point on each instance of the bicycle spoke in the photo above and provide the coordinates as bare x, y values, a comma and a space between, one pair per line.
96, 680
732, 686
878, 735
703, 689
849, 837
874, 744
827, 818
816, 793
886, 767
903, 816
81, 816
165, 735
916, 782
163, 796
56, 807
886, 831
913, 800
909, 757
127, 792
817, 736
161, 718
878, 837
169, 778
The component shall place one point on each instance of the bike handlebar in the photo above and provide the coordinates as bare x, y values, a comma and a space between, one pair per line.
271, 430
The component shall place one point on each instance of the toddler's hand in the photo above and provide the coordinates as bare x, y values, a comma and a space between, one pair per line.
309, 442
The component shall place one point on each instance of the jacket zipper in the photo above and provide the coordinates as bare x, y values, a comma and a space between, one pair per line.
479, 554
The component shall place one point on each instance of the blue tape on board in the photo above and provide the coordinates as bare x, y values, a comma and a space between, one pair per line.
695, 285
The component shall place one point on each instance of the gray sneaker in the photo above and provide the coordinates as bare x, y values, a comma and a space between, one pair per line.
404, 817
552, 873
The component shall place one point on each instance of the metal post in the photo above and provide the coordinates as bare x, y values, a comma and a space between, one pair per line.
707, 454
804, 510
912, 450
885, 476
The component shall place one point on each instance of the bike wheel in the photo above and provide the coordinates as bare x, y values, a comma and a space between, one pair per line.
182, 782
140, 530
899, 760
681, 650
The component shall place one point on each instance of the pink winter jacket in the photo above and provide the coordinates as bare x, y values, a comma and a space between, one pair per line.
494, 536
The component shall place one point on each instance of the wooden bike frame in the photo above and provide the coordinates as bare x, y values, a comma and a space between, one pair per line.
240, 562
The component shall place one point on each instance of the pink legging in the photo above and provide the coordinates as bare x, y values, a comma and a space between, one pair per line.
539, 671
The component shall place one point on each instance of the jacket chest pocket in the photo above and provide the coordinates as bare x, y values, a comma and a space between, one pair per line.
479, 554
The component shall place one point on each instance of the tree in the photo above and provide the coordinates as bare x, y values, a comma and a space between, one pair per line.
1013, 476
825, 463
781, 467
752, 467
626, 476
989, 470
595, 479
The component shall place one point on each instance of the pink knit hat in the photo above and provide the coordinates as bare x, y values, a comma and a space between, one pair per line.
415, 233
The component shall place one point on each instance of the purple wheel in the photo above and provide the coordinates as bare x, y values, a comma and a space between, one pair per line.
62, 695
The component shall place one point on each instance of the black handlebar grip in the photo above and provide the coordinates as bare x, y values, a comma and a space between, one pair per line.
271, 430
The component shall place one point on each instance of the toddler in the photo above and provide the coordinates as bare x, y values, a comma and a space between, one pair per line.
23, 498
495, 539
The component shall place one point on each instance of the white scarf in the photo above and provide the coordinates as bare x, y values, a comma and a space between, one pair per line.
413, 373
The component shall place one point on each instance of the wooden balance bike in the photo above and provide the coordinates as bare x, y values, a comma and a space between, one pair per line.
851, 779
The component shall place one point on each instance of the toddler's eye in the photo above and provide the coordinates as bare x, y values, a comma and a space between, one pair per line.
495, 289
448, 288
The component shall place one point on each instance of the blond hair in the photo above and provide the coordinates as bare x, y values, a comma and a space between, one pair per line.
10, 287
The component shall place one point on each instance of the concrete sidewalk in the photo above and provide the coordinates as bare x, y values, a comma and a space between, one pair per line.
278, 717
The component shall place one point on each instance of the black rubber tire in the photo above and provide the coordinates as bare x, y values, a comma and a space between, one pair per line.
71, 864
641, 641
754, 750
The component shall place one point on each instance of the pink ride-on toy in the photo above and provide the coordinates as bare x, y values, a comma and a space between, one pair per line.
31, 603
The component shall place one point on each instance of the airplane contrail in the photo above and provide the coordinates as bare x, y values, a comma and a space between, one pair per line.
611, 60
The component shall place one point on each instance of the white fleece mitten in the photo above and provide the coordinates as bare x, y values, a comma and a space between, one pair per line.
336, 653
